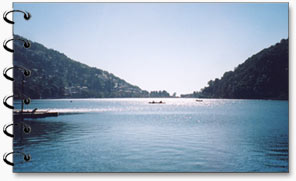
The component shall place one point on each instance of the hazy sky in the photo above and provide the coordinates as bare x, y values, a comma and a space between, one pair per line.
176, 47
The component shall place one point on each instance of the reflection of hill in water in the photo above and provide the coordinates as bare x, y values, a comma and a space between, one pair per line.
277, 150
42, 131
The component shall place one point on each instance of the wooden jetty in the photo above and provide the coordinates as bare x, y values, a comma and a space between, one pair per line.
33, 114
21, 114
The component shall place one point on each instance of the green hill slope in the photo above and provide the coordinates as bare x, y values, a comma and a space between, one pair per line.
54, 75
265, 75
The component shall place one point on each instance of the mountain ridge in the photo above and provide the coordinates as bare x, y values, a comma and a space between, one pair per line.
264, 75
54, 75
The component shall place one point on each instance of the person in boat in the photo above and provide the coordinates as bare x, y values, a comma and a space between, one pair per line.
153, 102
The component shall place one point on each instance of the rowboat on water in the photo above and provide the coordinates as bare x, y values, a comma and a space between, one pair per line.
153, 102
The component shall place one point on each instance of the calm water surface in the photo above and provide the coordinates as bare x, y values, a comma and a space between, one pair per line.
130, 135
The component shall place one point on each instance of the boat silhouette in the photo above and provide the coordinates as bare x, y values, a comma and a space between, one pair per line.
154, 102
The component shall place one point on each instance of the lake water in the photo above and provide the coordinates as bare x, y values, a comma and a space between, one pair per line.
182, 135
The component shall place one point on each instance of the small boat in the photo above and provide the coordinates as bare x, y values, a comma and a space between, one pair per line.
33, 114
153, 102
198, 100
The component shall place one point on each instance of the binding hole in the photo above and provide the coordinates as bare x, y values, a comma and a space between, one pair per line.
27, 129
27, 44
27, 158
27, 15
27, 73
27, 101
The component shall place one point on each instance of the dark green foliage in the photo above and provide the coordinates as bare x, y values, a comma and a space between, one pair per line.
54, 75
159, 94
262, 76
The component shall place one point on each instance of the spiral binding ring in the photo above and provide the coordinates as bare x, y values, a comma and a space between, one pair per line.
26, 101
26, 129
26, 72
27, 15
26, 44
26, 157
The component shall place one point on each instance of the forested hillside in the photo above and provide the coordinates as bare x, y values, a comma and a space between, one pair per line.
265, 75
54, 75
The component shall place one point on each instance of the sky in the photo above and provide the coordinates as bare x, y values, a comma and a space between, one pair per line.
176, 47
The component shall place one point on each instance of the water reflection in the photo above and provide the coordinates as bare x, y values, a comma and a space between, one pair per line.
141, 138
277, 152
42, 132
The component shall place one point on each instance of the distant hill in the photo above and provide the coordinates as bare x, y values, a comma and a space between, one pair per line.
54, 75
265, 75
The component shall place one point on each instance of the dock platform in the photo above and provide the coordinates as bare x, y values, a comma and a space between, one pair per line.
34, 115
